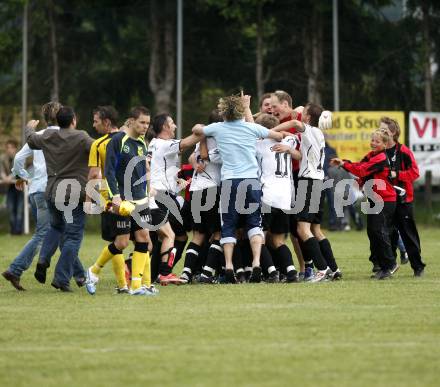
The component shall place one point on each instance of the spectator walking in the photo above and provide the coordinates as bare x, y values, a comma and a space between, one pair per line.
66, 152
14, 197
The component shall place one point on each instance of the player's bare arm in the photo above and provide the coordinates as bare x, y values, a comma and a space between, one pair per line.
298, 125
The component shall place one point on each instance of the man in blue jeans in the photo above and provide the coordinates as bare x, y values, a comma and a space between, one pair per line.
37, 185
240, 188
65, 191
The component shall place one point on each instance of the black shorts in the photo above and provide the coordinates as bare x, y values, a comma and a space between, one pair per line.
314, 201
293, 224
113, 225
209, 221
187, 217
276, 221
161, 213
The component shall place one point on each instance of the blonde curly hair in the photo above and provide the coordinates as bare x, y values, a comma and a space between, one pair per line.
231, 108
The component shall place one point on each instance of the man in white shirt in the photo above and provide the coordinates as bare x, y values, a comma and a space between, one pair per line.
163, 154
315, 245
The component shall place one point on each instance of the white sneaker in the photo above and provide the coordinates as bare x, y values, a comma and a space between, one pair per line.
320, 275
138, 292
151, 290
91, 281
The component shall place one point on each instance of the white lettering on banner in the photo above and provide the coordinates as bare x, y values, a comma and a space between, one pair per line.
424, 134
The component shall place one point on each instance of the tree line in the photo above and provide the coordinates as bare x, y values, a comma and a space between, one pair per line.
123, 53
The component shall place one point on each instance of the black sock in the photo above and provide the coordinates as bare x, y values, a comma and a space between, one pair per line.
284, 256
327, 252
308, 263
246, 252
275, 257
312, 252
266, 259
180, 246
155, 256
201, 258
166, 267
214, 259
237, 259
192, 253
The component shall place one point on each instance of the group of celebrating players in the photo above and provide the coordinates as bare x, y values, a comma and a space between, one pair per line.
250, 182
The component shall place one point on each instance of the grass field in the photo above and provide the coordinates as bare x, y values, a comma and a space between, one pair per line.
356, 332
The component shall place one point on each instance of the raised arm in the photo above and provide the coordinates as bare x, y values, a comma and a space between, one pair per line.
189, 141
246, 99
33, 139
197, 129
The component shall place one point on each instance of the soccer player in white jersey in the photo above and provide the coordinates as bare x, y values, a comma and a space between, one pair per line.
311, 175
205, 196
277, 187
163, 152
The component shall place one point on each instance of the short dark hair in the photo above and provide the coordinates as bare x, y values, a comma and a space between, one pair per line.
65, 116
158, 122
49, 111
314, 111
107, 113
214, 116
12, 142
263, 97
137, 111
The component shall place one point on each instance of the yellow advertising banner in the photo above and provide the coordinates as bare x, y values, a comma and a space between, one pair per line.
351, 132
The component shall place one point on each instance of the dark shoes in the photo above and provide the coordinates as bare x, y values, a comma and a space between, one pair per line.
80, 281
230, 277
13, 279
256, 275
404, 258
63, 288
273, 277
40, 273
241, 277
382, 275
420, 272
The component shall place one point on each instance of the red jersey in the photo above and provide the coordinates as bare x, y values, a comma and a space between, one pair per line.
186, 172
295, 163
374, 166
407, 171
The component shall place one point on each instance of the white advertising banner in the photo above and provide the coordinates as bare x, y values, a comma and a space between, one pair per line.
424, 134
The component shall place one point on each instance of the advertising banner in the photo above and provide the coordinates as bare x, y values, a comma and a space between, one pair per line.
424, 134
351, 132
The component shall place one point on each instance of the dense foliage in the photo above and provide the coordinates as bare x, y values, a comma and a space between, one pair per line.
104, 52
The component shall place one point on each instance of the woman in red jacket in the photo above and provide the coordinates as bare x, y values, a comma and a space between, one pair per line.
379, 224
404, 172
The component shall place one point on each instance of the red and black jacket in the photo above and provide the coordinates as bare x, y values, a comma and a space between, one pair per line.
373, 166
407, 171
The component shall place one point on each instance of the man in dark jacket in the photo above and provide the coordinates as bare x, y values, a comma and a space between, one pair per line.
66, 153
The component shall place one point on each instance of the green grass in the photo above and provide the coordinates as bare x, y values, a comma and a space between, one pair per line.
351, 333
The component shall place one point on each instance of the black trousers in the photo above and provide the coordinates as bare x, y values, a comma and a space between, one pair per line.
379, 230
404, 223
